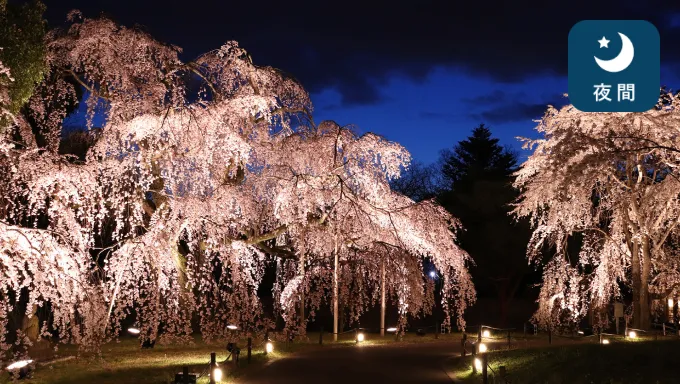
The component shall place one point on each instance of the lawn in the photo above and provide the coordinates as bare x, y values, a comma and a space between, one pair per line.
644, 362
125, 362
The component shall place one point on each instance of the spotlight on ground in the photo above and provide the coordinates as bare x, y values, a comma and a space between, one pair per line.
392, 329
269, 347
482, 348
478, 364
217, 374
21, 368
486, 333
232, 327
133, 331
632, 334
605, 341
360, 337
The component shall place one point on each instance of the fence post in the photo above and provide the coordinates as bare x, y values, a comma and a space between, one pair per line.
185, 374
356, 335
479, 334
600, 341
508, 339
485, 361
474, 355
321, 336
212, 368
463, 344
663, 326
250, 348
525, 328
266, 339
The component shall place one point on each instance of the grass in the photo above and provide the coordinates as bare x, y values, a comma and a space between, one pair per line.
640, 361
125, 362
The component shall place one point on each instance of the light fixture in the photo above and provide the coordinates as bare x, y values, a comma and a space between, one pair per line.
21, 368
392, 329
433, 274
217, 374
478, 364
486, 333
134, 331
670, 303
18, 365
482, 348
632, 334
232, 327
605, 341
580, 332
269, 347
360, 337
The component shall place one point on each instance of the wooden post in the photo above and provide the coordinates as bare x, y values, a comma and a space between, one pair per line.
600, 337
474, 355
212, 367
266, 339
321, 336
185, 374
485, 376
463, 344
250, 348
382, 299
509, 339
479, 334
525, 328
335, 290
356, 335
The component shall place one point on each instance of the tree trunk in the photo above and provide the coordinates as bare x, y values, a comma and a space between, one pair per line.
30, 326
637, 284
645, 309
301, 271
382, 299
335, 291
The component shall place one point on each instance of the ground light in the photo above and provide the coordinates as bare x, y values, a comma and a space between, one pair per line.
20, 368
232, 327
393, 329
486, 333
134, 331
605, 341
482, 348
217, 374
478, 364
269, 347
360, 337
632, 334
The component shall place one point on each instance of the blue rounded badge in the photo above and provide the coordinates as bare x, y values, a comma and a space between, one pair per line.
614, 65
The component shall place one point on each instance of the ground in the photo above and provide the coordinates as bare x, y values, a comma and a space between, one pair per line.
629, 362
125, 362
415, 359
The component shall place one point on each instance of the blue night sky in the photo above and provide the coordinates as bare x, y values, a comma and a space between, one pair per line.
423, 75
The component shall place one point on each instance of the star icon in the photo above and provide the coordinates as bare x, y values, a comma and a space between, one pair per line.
604, 42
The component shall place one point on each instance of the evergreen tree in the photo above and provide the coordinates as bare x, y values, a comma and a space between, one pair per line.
477, 176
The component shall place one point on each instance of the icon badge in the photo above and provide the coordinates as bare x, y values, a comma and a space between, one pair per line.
614, 65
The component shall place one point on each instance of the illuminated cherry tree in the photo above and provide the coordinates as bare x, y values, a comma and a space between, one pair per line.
604, 184
191, 191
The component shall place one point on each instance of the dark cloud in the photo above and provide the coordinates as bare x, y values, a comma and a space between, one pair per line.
354, 46
509, 113
502, 107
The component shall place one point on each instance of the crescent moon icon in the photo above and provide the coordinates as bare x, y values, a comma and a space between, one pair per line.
623, 60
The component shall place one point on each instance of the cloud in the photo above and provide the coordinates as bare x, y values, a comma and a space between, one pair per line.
354, 48
502, 107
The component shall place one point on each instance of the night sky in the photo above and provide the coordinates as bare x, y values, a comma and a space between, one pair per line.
421, 73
